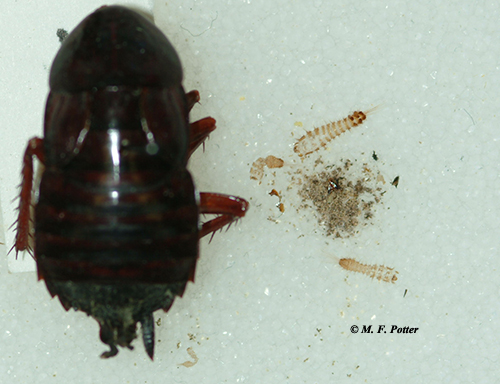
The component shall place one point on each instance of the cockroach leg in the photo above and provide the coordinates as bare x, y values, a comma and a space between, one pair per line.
192, 98
34, 148
148, 335
229, 208
198, 132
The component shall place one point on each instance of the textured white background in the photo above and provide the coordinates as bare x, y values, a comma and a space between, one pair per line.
263, 289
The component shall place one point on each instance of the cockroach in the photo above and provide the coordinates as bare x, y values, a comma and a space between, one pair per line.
320, 136
116, 224
333, 184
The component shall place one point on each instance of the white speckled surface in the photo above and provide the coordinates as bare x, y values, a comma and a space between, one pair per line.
270, 303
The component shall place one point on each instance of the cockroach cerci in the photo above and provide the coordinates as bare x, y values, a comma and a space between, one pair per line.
116, 224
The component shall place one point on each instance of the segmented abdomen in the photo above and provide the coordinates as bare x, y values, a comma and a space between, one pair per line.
319, 137
142, 229
379, 272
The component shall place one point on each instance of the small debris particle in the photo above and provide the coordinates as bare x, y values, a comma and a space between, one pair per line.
395, 182
374, 156
281, 207
342, 202
274, 192
61, 34
189, 364
274, 162
257, 169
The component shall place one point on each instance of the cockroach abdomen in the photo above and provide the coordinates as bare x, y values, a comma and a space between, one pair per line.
118, 308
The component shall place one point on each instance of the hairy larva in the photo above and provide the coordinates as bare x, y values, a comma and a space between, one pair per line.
379, 272
320, 136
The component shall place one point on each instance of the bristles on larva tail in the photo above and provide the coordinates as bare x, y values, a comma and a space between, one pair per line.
319, 137
379, 272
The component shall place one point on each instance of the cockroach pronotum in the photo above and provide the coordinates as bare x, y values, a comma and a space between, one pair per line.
116, 225
320, 136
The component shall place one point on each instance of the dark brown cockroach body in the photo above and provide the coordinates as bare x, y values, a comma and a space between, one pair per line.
116, 226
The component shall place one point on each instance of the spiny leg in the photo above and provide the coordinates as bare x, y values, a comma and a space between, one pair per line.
199, 130
229, 208
34, 148
192, 98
